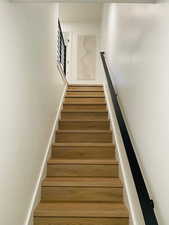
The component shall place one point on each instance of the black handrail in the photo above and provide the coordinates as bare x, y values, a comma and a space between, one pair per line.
62, 49
146, 203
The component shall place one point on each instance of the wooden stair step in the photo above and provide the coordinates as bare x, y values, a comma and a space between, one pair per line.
84, 90
84, 115
72, 124
85, 85
85, 106
82, 185
82, 182
85, 94
80, 221
83, 136
82, 168
82, 190
85, 110
81, 100
82, 131
83, 161
88, 151
69, 209
87, 88
84, 144
86, 103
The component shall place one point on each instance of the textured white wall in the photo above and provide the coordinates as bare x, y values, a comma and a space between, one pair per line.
136, 41
30, 90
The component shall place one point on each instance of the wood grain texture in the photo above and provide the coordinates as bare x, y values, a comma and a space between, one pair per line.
70, 209
82, 182
82, 170
82, 189
96, 124
84, 115
83, 152
83, 136
85, 107
87, 144
83, 88
83, 161
81, 194
85, 94
84, 100
85, 85
82, 186
80, 221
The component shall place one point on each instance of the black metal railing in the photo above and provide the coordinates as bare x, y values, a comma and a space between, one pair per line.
146, 203
61, 49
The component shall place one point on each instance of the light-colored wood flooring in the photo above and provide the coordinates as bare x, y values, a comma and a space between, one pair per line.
82, 186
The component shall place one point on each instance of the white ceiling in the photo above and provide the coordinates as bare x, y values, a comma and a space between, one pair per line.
80, 12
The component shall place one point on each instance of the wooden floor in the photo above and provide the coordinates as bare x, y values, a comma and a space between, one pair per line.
82, 186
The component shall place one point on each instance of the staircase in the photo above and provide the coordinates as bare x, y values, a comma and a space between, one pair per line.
82, 186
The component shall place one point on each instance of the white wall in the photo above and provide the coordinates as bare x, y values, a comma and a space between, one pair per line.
136, 41
83, 12
30, 91
75, 29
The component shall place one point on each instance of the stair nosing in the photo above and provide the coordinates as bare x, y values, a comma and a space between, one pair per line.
82, 96
88, 120
84, 144
84, 103
82, 182
85, 85
76, 111
82, 209
80, 90
57, 161
84, 131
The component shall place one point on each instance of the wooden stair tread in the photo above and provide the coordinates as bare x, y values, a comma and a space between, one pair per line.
71, 209
84, 96
84, 144
79, 120
85, 89
89, 111
83, 161
80, 90
84, 131
85, 85
86, 110
82, 182
85, 99
84, 103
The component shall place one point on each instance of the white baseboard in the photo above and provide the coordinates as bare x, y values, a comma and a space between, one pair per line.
37, 190
130, 194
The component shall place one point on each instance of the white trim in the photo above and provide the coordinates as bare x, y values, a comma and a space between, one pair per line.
36, 192
132, 201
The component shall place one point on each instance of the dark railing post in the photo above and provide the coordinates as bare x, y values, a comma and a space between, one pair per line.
60, 45
65, 58
61, 48
146, 203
